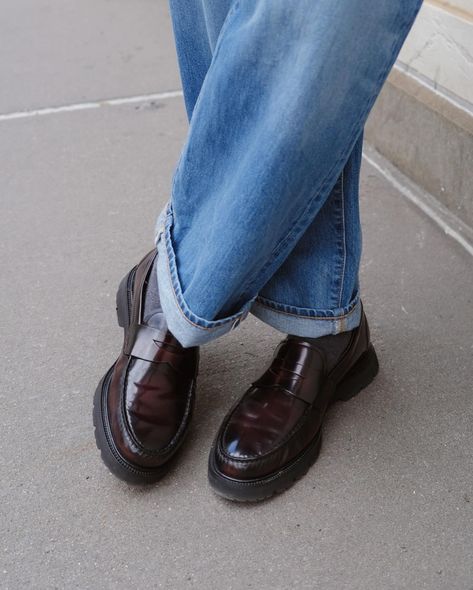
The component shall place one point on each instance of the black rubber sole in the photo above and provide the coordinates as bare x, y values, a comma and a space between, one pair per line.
116, 463
255, 490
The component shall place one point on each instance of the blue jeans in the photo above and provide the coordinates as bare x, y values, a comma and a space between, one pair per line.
263, 215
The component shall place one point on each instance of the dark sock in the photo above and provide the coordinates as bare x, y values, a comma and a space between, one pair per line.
332, 345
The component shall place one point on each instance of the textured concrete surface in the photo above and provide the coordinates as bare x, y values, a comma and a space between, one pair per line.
411, 126
389, 504
56, 52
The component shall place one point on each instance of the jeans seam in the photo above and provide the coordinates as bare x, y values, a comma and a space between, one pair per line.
344, 240
337, 215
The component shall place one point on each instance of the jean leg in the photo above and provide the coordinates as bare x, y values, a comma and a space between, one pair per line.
318, 283
196, 27
280, 109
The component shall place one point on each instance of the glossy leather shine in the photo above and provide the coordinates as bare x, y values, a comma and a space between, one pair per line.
282, 412
150, 392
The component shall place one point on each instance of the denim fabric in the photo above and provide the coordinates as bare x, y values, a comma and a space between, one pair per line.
263, 215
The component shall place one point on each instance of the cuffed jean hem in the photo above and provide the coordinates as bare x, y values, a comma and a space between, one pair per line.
188, 328
310, 323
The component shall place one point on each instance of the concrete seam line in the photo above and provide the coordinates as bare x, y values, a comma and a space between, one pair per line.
426, 202
84, 106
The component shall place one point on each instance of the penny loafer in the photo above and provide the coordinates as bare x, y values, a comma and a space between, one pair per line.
273, 434
143, 404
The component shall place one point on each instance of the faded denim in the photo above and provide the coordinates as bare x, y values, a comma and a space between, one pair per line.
263, 215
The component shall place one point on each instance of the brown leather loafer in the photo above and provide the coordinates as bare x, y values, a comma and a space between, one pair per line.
271, 437
143, 404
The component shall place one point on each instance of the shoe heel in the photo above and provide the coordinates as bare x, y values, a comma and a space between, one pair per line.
123, 293
359, 376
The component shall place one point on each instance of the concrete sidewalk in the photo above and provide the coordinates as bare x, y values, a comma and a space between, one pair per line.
389, 504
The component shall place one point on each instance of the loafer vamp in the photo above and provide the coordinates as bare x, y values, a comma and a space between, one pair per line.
267, 428
156, 403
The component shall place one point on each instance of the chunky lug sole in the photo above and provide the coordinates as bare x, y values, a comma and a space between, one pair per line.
253, 490
116, 463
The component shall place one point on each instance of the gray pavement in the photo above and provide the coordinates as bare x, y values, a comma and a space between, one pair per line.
389, 504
